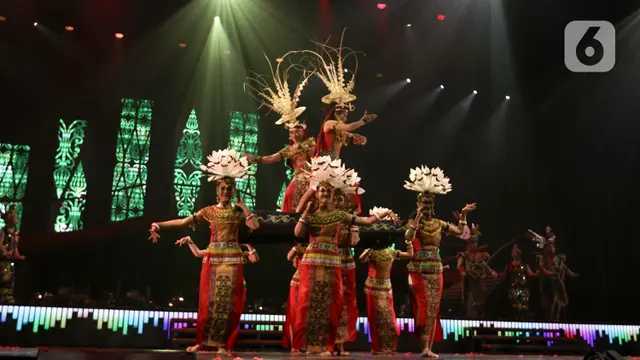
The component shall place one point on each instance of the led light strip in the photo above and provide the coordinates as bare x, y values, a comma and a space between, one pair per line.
121, 320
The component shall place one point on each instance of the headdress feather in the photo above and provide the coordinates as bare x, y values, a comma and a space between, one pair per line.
278, 97
227, 163
379, 211
428, 180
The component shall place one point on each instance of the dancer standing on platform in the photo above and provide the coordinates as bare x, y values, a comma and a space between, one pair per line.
221, 300
425, 268
379, 293
348, 238
516, 274
335, 131
320, 296
8, 254
552, 271
295, 255
301, 147
472, 265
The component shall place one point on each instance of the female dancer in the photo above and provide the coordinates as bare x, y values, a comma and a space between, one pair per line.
552, 271
472, 265
221, 280
301, 147
294, 255
425, 268
516, 274
8, 254
335, 131
346, 240
379, 293
320, 295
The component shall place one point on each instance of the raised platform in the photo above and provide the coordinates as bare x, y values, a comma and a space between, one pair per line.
126, 354
29, 326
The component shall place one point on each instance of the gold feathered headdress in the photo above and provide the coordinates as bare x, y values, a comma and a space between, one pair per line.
329, 64
428, 180
279, 98
226, 164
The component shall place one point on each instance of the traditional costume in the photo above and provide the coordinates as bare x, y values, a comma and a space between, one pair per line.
516, 274
425, 268
279, 99
472, 263
8, 245
552, 271
292, 302
379, 294
222, 290
320, 294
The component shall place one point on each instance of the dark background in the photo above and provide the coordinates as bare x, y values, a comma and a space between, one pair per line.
562, 151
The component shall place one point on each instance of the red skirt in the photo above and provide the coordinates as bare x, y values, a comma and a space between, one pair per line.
349, 316
426, 291
220, 305
383, 326
319, 308
292, 307
292, 195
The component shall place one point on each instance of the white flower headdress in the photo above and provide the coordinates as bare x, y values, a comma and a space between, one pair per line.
324, 171
348, 181
330, 68
428, 180
227, 164
378, 211
279, 98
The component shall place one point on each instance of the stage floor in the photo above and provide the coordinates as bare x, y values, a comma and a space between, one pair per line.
99, 354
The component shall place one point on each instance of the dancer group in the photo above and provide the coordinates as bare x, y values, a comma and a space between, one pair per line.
321, 312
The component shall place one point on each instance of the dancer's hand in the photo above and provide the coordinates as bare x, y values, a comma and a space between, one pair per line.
251, 158
310, 205
395, 218
154, 233
367, 118
184, 240
468, 208
419, 214
494, 274
358, 139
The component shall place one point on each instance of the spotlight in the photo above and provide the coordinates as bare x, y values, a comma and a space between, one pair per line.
35, 24
181, 299
216, 19
119, 35
408, 25
441, 86
170, 304
475, 91
2, 18
408, 80
441, 17
381, 6
507, 97
346, 70
182, 45
69, 28
379, 75
279, 60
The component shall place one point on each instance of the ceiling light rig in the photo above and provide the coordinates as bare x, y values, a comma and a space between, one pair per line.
381, 6
475, 92
69, 28
507, 97
441, 86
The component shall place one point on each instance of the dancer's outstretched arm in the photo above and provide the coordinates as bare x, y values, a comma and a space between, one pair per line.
192, 246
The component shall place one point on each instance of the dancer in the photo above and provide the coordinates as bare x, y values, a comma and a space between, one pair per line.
294, 255
221, 298
472, 265
321, 295
346, 240
425, 268
552, 271
8, 254
378, 291
516, 274
301, 147
335, 131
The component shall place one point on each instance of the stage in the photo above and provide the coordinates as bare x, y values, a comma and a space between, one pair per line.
56, 327
100, 354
